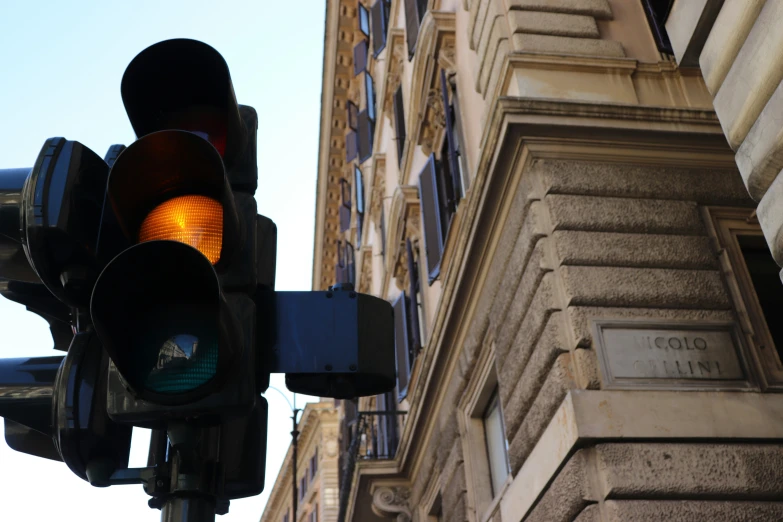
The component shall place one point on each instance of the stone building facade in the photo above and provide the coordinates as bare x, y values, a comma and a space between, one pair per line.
317, 470
585, 305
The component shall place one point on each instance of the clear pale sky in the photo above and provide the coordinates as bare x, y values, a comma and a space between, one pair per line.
60, 69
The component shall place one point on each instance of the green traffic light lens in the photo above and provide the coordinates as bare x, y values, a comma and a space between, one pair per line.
183, 364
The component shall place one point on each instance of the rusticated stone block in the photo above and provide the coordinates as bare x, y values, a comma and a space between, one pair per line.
726, 471
653, 287
591, 513
633, 250
508, 334
705, 186
566, 45
518, 262
558, 24
595, 8
567, 495
586, 363
690, 511
770, 216
526, 373
603, 214
550, 395
753, 77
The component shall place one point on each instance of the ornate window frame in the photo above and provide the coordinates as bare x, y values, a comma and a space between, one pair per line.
724, 225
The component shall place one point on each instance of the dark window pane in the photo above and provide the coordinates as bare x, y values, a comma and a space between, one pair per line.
431, 217
451, 150
360, 57
765, 274
657, 12
364, 20
411, 25
358, 180
413, 310
378, 15
366, 129
353, 115
345, 207
369, 88
401, 344
351, 146
399, 123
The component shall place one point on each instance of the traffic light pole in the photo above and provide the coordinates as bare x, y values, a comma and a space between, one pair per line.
188, 509
294, 444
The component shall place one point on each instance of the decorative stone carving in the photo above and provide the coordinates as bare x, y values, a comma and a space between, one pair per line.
365, 279
392, 502
434, 120
378, 190
397, 59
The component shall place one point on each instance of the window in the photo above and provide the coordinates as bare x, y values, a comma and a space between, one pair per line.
369, 92
657, 12
364, 20
483, 436
754, 286
497, 447
441, 184
436, 510
399, 123
285, 517
314, 464
366, 130
407, 329
414, 13
359, 184
302, 487
345, 268
314, 514
379, 13
345, 206
360, 57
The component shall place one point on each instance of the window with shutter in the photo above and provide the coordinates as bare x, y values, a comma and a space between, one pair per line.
350, 263
452, 148
364, 19
351, 146
431, 217
657, 12
345, 207
353, 115
460, 138
359, 184
379, 26
412, 21
365, 135
402, 344
414, 346
369, 89
360, 57
341, 274
399, 123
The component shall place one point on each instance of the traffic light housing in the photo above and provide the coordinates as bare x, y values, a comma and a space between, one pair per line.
157, 275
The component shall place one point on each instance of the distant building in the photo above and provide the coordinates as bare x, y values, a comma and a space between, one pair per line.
586, 309
317, 470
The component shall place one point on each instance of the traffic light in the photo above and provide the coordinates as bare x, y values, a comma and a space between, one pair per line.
174, 310
157, 275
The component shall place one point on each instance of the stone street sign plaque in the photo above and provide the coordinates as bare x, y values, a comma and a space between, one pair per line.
634, 354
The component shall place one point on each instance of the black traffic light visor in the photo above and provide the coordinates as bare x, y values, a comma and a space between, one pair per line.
184, 84
160, 315
165, 165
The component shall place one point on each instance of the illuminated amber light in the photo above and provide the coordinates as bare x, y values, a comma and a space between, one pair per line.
194, 220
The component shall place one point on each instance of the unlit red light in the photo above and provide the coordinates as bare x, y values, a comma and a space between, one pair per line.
194, 220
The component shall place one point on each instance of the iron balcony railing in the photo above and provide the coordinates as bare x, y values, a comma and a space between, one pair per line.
374, 435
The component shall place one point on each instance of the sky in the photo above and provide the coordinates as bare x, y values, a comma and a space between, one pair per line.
61, 64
